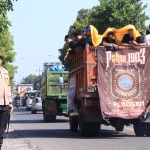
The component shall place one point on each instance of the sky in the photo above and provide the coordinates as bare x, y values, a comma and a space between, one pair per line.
39, 27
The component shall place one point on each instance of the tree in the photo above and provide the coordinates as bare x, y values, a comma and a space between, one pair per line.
80, 23
6, 42
62, 52
118, 13
6, 49
31, 79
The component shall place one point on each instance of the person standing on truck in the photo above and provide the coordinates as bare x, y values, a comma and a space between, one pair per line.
72, 44
109, 37
81, 39
6, 106
129, 36
92, 34
148, 30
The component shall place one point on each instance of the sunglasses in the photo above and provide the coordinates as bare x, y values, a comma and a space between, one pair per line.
1, 57
111, 33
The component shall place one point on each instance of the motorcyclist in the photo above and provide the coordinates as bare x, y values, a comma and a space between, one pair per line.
17, 99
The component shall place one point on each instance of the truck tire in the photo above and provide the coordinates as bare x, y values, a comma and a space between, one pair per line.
28, 109
73, 122
53, 117
119, 128
84, 128
139, 128
95, 128
148, 129
46, 117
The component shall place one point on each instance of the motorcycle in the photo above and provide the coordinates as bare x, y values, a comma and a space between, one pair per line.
17, 103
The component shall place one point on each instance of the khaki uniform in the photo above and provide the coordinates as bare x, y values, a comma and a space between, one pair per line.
5, 90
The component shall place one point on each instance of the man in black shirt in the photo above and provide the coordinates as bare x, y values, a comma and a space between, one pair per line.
128, 40
72, 44
81, 39
110, 39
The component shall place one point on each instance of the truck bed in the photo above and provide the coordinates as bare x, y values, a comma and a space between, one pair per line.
50, 87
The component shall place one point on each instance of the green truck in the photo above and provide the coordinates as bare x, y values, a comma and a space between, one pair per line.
54, 94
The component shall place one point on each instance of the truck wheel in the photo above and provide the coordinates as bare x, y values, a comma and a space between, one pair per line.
46, 117
119, 128
148, 129
139, 128
73, 122
95, 128
84, 128
28, 109
53, 117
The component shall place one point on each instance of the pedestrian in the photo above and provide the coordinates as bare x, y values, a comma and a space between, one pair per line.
6, 106
148, 30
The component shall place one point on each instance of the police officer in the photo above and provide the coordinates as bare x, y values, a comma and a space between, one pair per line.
6, 106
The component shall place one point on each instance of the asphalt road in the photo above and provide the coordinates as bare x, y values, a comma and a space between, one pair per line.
57, 136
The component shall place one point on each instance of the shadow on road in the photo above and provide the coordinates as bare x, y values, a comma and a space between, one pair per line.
37, 121
66, 133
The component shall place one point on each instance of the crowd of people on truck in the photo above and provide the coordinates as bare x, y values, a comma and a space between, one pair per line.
127, 36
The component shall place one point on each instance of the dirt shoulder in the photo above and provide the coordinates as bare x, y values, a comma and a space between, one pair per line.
15, 142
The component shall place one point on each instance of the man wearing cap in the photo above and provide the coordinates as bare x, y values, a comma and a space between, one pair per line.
6, 106
148, 30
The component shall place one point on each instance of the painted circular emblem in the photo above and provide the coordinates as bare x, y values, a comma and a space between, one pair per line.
125, 82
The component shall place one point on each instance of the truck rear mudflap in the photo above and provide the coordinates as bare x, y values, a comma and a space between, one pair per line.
146, 117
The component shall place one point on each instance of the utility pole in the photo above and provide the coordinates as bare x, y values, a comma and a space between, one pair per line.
39, 70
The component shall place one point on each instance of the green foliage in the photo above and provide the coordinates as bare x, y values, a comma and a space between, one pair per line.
6, 49
118, 13
6, 42
32, 79
80, 23
62, 52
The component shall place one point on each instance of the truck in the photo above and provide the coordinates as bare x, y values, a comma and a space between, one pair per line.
109, 88
24, 88
54, 94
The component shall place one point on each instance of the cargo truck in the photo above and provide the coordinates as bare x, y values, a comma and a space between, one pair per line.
110, 88
54, 94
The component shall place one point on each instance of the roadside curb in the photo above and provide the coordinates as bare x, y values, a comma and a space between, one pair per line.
15, 142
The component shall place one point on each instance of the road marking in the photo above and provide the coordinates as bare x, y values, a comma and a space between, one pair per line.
129, 129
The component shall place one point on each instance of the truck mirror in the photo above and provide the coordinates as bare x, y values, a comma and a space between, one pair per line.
61, 80
37, 86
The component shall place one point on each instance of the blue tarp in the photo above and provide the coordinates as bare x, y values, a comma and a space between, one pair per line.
58, 68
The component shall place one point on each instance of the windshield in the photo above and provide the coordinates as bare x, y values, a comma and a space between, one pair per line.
39, 94
32, 94
26, 94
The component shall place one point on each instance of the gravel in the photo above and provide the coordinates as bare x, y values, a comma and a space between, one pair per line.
15, 142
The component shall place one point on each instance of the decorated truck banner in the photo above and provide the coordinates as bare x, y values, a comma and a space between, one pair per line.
124, 82
71, 93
